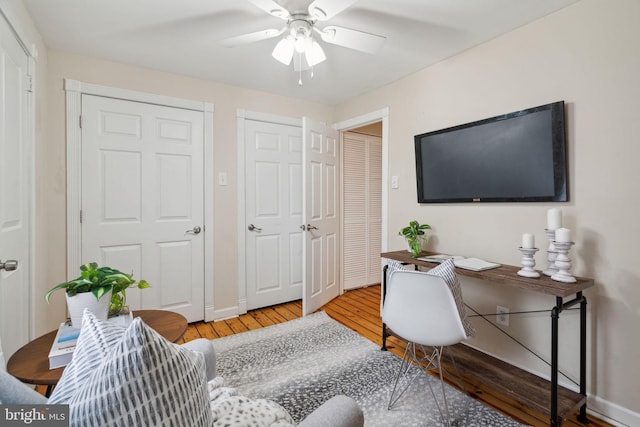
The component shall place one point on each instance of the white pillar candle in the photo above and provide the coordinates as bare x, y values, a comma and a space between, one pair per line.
563, 235
554, 219
528, 241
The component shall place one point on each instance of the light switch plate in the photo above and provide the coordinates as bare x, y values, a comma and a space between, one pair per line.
394, 182
222, 178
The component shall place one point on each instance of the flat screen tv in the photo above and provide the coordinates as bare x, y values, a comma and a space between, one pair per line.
516, 157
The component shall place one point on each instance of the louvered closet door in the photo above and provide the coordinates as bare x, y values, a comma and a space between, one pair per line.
362, 187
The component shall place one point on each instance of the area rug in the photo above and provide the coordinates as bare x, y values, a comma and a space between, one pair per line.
302, 363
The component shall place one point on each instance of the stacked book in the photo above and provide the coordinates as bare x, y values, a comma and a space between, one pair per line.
65, 341
473, 264
63, 345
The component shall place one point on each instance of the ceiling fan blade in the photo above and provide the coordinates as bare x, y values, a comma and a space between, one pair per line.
326, 9
272, 8
251, 37
353, 39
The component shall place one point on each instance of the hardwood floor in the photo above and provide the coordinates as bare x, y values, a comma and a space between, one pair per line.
360, 310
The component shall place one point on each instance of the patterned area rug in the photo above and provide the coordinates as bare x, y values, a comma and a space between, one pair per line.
302, 363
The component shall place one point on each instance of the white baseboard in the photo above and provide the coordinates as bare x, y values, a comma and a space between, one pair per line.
612, 413
242, 306
225, 313
209, 313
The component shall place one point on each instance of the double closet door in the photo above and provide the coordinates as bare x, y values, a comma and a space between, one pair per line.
291, 213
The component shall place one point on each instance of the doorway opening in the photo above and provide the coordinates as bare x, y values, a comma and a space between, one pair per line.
366, 268
362, 205
373, 125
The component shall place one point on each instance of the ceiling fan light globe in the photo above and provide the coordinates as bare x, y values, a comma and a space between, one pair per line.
314, 54
300, 44
283, 52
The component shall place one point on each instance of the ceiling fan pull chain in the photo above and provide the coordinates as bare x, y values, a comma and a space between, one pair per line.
300, 72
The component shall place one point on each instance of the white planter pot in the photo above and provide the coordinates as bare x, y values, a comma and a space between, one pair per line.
77, 303
424, 239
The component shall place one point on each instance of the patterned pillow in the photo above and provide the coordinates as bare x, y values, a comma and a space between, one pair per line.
146, 380
96, 341
393, 265
447, 270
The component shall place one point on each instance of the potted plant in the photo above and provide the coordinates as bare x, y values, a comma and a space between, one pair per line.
101, 289
414, 234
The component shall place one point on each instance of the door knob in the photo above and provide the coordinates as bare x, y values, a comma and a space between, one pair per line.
194, 230
311, 227
9, 265
252, 227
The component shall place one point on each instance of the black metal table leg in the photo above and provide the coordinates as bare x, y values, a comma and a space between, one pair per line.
555, 315
49, 390
582, 417
384, 291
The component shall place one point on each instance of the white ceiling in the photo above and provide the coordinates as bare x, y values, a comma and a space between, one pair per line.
181, 36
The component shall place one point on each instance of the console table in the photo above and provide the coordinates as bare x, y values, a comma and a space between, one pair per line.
506, 275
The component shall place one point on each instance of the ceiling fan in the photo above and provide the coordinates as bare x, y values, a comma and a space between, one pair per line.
298, 43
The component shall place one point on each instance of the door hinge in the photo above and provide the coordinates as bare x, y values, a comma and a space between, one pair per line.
29, 83
80, 121
80, 216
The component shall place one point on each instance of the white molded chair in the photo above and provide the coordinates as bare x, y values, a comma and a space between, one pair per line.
419, 308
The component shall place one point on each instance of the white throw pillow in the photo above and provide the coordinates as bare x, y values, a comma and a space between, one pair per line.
96, 341
145, 380
447, 270
393, 265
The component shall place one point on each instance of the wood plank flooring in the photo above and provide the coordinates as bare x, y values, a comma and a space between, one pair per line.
360, 310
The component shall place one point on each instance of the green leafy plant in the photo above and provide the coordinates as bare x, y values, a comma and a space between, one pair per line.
99, 281
413, 233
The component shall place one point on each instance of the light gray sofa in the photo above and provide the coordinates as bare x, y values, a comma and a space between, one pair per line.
339, 411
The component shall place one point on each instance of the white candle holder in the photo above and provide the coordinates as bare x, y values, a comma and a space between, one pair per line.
563, 263
528, 262
551, 254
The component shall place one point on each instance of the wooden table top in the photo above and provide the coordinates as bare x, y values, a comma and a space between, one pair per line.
504, 275
30, 364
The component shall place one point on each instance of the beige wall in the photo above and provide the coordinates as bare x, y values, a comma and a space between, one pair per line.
589, 56
226, 100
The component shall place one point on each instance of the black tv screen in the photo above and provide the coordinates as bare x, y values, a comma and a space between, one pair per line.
515, 157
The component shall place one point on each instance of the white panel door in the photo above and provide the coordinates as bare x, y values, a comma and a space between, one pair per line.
142, 199
273, 213
14, 193
321, 195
